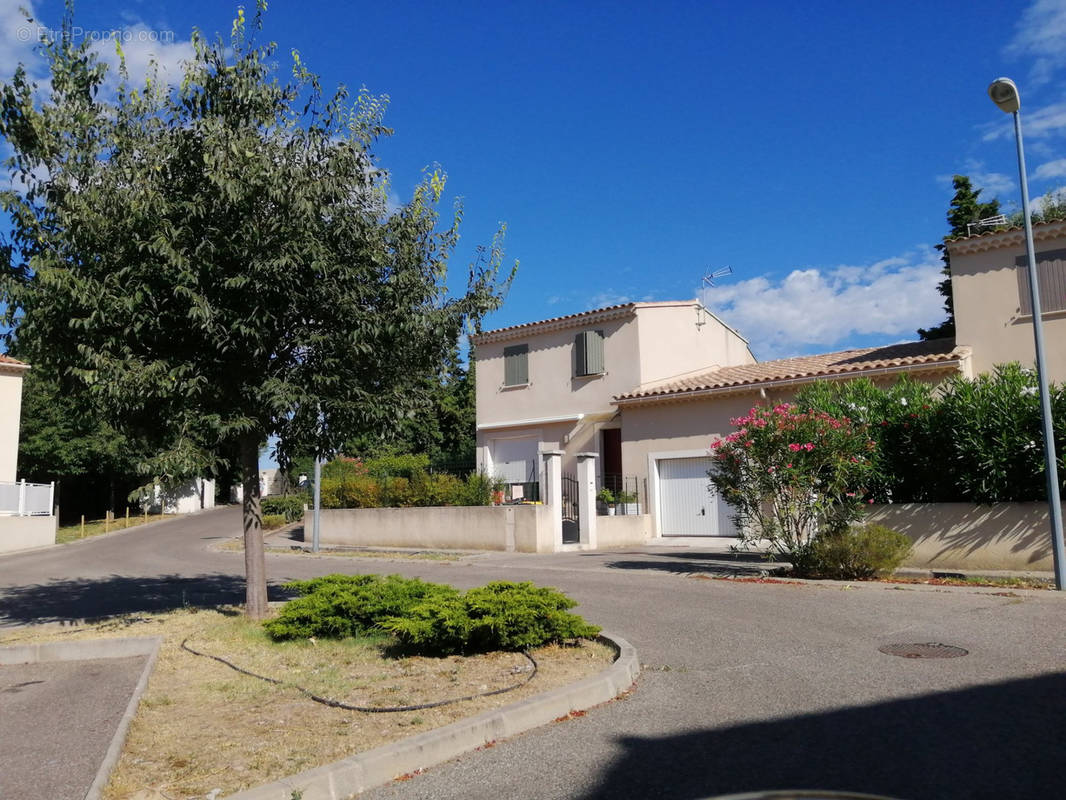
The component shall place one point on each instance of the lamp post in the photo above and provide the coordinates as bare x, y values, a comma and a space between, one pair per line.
1005, 95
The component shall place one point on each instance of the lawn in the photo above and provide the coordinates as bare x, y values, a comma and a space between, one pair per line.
70, 533
202, 726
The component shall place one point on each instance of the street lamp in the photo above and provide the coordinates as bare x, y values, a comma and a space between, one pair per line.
1005, 95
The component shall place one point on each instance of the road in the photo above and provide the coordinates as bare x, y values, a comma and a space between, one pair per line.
747, 686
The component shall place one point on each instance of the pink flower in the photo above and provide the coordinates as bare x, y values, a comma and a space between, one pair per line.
809, 446
795, 448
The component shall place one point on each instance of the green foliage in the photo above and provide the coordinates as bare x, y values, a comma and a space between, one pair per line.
289, 506
965, 207
399, 481
274, 521
790, 475
350, 605
606, 496
429, 618
500, 616
217, 263
863, 551
976, 441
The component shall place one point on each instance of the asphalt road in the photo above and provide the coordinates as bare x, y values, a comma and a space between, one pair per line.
747, 686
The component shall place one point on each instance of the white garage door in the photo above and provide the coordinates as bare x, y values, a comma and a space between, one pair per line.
688, 504
515, 460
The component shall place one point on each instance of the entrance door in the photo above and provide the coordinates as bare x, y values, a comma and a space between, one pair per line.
688, 505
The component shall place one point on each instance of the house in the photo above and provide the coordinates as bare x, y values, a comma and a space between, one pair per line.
26, 509
550, 385
645, 387
11, 372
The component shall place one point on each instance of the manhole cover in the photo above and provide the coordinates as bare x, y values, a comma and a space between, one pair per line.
923, 650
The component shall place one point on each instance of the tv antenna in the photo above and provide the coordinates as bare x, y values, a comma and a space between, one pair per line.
709, 283
987, 222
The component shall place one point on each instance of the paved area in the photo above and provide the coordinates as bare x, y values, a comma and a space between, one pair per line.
56, 722
747, 685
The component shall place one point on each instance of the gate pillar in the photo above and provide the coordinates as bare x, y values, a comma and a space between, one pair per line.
553, 493
586, 498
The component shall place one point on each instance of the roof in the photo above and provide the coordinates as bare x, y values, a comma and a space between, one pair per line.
935, 354
572, 320
8, 361
1005, 237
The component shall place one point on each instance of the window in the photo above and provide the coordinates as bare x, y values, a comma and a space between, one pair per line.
516, 365
1051, 273
588, 353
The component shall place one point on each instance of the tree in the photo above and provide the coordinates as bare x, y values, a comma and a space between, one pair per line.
966, 207
216, 263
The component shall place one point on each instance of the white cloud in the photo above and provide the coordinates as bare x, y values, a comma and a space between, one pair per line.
824, 308
1040, 35
991, 184
1047, 121
141, 46
1052, 169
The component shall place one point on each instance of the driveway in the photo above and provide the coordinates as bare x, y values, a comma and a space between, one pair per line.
747, 686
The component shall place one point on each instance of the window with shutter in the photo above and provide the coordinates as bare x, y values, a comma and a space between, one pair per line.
1051, 274
588, 353
516, 365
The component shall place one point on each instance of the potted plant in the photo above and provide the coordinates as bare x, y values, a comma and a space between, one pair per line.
606, 496
625, 499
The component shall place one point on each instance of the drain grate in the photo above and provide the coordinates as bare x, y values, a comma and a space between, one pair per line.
923, 650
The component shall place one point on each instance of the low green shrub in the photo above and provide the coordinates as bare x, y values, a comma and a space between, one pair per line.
291, 506
500, 616
405, 465
274, 521
350, 605
863, 551
359, 491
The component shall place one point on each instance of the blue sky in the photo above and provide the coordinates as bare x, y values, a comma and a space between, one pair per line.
633, 148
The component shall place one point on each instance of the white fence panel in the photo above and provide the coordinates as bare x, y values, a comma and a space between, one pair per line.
26, 499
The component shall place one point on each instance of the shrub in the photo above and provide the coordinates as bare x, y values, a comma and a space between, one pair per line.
356, 491
273, 521
863, 551
479, 489
396, 466
790, 475
500, 616
291, 506
350, 605
437, 489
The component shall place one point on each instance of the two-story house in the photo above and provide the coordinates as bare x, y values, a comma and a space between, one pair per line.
550, 385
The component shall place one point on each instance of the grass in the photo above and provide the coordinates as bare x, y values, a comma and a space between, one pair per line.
974, 580
202, 727
70, 533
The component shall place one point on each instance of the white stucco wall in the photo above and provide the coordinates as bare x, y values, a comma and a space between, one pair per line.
25, 533
10, 413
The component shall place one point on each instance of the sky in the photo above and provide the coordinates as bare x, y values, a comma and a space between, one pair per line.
633, 148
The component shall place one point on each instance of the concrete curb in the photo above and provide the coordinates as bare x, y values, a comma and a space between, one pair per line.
92, 649
362, 771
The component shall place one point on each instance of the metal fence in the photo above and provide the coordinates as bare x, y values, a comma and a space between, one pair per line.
26, 499
630, 492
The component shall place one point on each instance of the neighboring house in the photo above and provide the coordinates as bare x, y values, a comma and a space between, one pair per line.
11, 372
990, 283
648, 386
549, 386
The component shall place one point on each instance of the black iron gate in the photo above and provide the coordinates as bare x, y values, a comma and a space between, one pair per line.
571, 514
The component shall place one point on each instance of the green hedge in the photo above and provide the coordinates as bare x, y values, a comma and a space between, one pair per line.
359, 487
969, 441
290, 506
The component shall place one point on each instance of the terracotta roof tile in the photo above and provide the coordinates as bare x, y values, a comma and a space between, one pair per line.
908, 355
5, 359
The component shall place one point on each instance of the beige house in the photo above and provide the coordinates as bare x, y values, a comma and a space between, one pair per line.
644, 388
11, 372
550, 385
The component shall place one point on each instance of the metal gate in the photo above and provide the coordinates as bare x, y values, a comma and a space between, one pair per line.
571, 512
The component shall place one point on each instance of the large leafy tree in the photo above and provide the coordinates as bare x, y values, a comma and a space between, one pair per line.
216, 263
966, 207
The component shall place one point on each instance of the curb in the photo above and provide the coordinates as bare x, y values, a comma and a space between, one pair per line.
362, 771
91, 649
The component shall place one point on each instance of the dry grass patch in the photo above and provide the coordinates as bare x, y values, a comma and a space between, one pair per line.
95, 527
201, 726
237, 546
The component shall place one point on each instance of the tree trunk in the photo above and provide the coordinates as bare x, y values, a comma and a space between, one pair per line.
254, 561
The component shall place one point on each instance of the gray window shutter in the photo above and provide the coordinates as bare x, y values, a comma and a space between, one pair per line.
588, 353
1051, 273
516, 365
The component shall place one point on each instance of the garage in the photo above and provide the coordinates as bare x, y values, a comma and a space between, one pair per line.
688, 505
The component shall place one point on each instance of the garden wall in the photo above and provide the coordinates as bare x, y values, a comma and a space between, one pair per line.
525, 529
948, 536
621, 530
23, 533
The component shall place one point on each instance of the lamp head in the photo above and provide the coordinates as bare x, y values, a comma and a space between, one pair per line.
1005, 95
